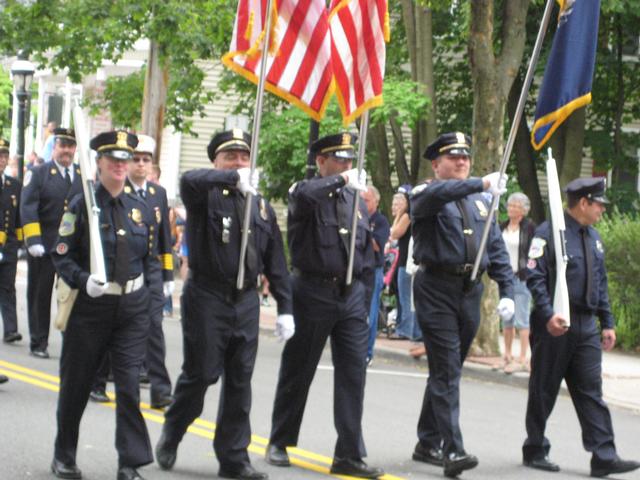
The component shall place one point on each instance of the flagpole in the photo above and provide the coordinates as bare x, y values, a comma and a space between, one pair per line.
255, 137
535, 55
364, 126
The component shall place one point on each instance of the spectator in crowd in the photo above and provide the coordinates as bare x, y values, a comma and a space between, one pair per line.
517, 233
380, 231
49, 140
406, 327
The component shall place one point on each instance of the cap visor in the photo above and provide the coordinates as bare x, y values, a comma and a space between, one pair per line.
603, 200
458, 151
345, 154
118, 154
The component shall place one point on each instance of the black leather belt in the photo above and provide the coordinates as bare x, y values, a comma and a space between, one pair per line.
462, 270
224, 288
320, 277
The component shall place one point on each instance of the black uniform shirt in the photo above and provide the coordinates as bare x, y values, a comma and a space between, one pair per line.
437, 227
215, 211
10, 228
155, 197
71, 252
319, 222
541, 272
45, 196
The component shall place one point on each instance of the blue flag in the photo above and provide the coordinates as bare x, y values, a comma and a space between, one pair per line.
569, 73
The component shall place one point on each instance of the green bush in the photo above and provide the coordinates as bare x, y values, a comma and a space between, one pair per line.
621, 237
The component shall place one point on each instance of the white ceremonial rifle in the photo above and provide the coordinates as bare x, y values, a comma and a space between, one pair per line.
561, 291
87, 169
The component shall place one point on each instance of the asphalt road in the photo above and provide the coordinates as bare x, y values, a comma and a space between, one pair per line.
492, 423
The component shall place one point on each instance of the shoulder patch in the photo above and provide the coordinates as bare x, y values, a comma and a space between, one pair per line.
27, 178
418, 188
67, 224
536, 250
482, 208
532, 264
62, 248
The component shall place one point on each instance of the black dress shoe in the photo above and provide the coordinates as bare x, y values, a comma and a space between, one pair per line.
63, 470
129, 473
354, 467
457, 462
166, 453
40, 353
12, 337
4, 379
277, 456
246, 472
434, 456
542, 464
99, 396
161, 402
600, 469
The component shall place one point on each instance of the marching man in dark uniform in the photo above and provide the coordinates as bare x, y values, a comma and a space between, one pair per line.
319, 225
106, 317
448, 216
46, 191
572, 353
220, 322
10, 238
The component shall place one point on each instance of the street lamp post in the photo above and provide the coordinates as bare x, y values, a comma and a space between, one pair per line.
22, 72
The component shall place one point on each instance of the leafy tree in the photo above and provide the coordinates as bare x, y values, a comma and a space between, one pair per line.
6, 95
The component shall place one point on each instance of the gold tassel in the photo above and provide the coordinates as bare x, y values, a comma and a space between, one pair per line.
387, 27
249, 30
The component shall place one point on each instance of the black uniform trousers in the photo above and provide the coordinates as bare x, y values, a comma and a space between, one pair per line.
322, 310
575, 357
8, 296
156, 346
40, 277
220, 335
118, 325
448, 310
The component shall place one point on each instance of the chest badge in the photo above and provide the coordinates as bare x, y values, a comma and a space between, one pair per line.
482, 208
127, 189
158, 215
54, 171
599, 246
226, 229
136, 215
14, 201
122, 232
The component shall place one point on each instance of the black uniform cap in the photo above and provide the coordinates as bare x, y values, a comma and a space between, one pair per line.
67, 134
454, 143
235, 139
116, 143
4, 145
341, 145
591, 188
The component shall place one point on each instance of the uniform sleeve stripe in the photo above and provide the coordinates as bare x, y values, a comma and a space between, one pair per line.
3, 238
31, 230
19, 234
167, 261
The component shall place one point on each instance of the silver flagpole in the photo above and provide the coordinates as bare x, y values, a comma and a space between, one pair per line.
535, 55
255, 137
364, 126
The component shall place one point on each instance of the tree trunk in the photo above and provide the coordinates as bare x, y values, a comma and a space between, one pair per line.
493, 76
380, 174
156, 85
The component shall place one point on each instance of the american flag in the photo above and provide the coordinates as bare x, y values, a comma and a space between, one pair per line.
359, 31
299, 67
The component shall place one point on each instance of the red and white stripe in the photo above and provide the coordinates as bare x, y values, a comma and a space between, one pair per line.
299, 67
359, 30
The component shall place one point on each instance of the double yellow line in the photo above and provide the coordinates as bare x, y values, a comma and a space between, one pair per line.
201, 428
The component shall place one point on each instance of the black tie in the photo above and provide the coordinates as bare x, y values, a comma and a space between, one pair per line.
121, 270
67, 175
142, 193
467, 231
588, 258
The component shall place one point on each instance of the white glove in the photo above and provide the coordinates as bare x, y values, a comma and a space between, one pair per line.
506, 309
248, 182
167, 288
94, 287
36, 250
497, 183
285, 327
1, 256
355, 181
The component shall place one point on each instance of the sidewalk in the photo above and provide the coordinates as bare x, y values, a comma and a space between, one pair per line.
620, 371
